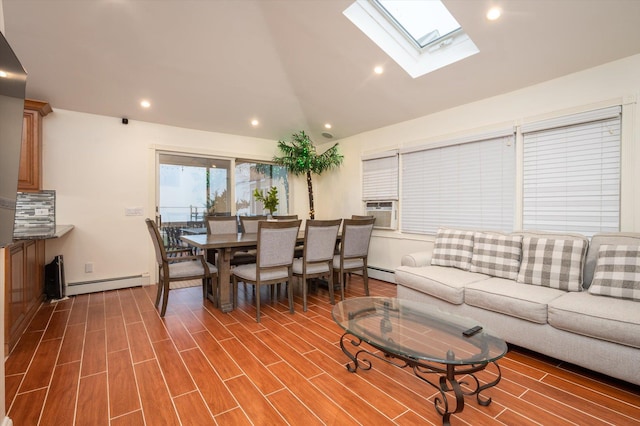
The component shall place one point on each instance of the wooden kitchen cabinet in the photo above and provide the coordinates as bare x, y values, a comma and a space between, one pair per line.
30, 174
24, 259
24, 287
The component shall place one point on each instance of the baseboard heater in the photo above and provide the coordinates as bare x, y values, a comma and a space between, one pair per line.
381, 274
83, 287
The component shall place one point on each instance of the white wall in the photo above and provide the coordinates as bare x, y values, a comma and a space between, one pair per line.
99, 167
616, 82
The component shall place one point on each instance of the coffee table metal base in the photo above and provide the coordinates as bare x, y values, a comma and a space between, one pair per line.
447, 373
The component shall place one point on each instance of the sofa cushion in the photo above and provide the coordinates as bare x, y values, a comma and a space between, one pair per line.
617, 272
605, 318
605, 238
553, 262
453, 247
438, 281
496, 254
511, 298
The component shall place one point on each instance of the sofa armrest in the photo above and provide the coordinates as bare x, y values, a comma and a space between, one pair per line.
421, 258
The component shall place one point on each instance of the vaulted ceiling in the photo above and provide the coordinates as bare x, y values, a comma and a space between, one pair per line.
292, 64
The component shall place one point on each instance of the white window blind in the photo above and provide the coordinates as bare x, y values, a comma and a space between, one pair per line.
571, 174
469, 185
380, 177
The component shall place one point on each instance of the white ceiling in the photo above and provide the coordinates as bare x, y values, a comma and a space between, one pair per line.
293, 64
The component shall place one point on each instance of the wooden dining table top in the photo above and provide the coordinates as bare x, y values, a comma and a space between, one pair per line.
218, 241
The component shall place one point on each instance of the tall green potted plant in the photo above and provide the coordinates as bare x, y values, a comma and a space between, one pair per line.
301, 158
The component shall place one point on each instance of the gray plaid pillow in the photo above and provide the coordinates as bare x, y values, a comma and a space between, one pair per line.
453, 247
554, 263
496, 255
617, 272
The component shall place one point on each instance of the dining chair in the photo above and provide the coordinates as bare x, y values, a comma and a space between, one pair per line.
249, 224
354, 249
317, 255
274, 259
221, 225
175, 272
356, 216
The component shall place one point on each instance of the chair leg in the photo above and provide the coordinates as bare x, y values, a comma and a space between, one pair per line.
290, 288
165, 297
365, 278
159, 292
331, 296
343, 284
305, 290
257, 287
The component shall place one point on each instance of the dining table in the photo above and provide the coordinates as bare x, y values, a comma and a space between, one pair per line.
225, 245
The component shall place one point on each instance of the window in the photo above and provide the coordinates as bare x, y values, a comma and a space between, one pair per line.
380, 177
467, 184
250, 176
571, 173
188, 184
435, 42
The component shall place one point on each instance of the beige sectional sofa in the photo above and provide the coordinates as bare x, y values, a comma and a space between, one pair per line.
557, 294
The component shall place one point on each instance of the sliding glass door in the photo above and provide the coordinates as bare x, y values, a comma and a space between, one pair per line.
189, 187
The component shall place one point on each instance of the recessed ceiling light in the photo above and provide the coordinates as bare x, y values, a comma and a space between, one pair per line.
3, 74
494, 13
254, 122
378, 70
327, 126
145, 104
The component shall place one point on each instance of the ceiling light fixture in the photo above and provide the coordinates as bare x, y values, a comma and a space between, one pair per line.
378, 70
4, 74
494, 13
145, 104
327, 126
254, 122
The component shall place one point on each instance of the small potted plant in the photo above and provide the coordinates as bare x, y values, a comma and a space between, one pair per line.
269, 199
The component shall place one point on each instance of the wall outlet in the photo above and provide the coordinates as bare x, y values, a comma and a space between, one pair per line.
88, 267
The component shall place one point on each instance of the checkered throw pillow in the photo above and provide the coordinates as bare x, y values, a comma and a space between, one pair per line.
496, 255
617, 272
554, 263
453, 248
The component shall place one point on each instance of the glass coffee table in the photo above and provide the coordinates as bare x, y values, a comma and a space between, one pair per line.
411, 334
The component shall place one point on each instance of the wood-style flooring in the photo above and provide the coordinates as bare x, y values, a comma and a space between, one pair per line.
109, 359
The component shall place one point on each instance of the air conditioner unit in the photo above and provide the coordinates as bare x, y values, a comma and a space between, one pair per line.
385, 212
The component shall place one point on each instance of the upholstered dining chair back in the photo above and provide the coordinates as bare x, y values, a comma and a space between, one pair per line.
249, 224
221, 225
276, 242
356, 235
320, 239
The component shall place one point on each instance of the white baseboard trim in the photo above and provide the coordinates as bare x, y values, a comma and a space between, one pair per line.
7, 422
84, 287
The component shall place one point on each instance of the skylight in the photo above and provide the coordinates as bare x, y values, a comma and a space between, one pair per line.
420, 35
425, 22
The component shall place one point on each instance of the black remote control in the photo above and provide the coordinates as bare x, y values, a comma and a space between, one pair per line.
473, 330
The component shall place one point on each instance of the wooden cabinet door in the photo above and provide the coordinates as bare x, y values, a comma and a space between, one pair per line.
30, 162
14, 291
30, 174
